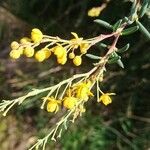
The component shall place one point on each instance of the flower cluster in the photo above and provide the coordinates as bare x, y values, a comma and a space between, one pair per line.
60, 48
74, 95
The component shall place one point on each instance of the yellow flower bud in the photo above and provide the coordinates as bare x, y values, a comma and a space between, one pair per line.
47, 52
28, 51
21, 49
15, 54
84, 47
36, 35
62, 60
14, 45
40, 56
77, 60
52, 106
25, 40
70, 102
59, 51
71, 55
105, 98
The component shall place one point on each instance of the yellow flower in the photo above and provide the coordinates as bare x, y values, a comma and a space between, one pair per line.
25, 40
59, 51
94, 12
62, 60
42, 54
70, 102
71, 55
105, 98
84, 47
36, 35
14, 45
83, 90
47, 52
77, 60
76, 41
14, 54
28, 51
53, 105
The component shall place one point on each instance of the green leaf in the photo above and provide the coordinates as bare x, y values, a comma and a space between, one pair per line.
117, 25
130, 30
143, 30
120, 63
103, 23
113, 58
143, 9
93, 56
102, 45
123, 49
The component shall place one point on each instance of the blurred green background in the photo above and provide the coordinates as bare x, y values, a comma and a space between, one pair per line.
123, 125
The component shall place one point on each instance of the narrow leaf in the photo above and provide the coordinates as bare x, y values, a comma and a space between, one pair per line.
120, 63
93, 56
143, 9
117, 25
123, 49
130, 30
143, 30
103, 23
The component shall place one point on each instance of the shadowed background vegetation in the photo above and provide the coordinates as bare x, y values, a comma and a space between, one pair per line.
123, 125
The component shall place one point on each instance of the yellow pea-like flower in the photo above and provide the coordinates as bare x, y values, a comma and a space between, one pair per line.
84, 47
14, 45
36, 35
59, 51
71, 55
83, 91
105, 98
14, 54
53, 105
70, 102
28, 51
77, 60
62, 60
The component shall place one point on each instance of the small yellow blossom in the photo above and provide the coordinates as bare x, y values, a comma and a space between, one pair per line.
28, 51
25, 40
71, 55
94, 12
14, 54
84, 47
47, 52
105, 98
59, 51
62, 60
40, 56
53, 105
36, 35
21, 49
14, 45
77, 60
83, 91
70, 102
76, 41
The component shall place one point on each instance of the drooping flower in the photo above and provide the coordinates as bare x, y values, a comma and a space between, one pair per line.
53, 105
70, 102
83, 90
105, 98
28, 51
